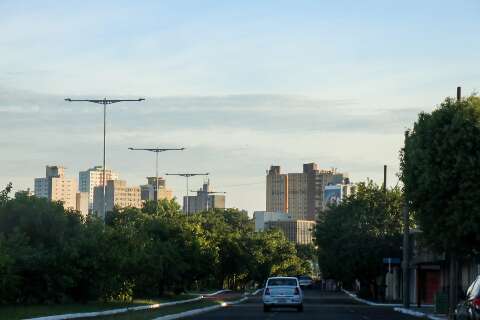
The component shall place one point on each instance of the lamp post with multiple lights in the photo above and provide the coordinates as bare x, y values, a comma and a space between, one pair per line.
104, 101
187, 176
157, 151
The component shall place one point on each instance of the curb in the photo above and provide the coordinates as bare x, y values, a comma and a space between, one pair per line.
254, 293
418, 314
113, 311
215, 293
370, 303
199, 311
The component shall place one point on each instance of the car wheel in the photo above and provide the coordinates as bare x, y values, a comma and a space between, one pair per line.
300, 308
266, 308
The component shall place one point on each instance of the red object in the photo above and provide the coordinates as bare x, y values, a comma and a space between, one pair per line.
476, 303
297, 291
267, 292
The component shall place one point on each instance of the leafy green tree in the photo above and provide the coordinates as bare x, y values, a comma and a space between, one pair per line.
354, 236
439, 169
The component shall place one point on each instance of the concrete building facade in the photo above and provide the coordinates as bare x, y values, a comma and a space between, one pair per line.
148, 191
262, 217
91, 178
277, 190
297, 231
117, 194
300, 194
81, 201
204, 200
56, 187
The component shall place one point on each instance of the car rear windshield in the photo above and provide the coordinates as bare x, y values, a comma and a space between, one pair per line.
304, 278
282, 282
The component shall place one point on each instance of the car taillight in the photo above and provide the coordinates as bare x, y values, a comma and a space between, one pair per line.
297, 291
476, 303
267, 292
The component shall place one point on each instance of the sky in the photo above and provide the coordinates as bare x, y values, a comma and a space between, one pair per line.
242, 85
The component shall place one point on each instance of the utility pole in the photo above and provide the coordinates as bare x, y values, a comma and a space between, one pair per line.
157, 151
453, 268
104, 101
187, 176
385, 179
406, 251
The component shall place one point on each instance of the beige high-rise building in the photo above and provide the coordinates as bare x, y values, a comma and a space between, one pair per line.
82, 203
277, 190
117, 194
91, 178
301, 193
297, 195
56, 187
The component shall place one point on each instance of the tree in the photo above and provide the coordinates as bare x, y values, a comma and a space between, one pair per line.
439, 169
354, 236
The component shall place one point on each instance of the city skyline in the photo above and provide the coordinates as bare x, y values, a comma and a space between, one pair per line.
225, 81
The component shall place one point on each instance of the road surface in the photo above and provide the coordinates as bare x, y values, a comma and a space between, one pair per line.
318, 305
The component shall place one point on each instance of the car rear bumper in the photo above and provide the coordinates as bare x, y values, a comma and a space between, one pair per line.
283, 301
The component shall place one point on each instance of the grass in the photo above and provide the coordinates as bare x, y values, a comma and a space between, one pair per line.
154, 313
18, 312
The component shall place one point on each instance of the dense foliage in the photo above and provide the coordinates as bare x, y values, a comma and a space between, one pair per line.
48, 254
440, 170
354, 236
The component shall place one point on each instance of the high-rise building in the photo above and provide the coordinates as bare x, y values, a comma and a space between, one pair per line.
148, 191
299, 194
204, 200
81, 201
277, 190
91, 178
117, 194
56, 187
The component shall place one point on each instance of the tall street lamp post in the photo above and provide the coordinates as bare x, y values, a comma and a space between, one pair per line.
157, 151
104, 101
187, 176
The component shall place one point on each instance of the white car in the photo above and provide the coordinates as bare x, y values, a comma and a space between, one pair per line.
282, 292
305, 281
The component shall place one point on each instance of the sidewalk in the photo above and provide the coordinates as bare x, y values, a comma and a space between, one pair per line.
422, 312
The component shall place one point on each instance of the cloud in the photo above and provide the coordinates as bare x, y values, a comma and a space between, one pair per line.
235, 137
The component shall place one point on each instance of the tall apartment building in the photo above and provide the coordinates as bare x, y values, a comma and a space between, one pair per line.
117, 194
277, 190
204, 200
149, 192
91, 178
56, 187
301, 193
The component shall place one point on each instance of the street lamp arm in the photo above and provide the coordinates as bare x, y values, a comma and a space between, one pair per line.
157, 149
103, 101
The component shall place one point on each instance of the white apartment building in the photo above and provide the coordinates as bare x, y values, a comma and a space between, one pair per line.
56, 187
91, 178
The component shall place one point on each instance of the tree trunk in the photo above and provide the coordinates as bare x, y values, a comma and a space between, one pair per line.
453, 284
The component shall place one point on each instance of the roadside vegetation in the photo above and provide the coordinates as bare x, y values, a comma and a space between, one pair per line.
354, 236
49, 255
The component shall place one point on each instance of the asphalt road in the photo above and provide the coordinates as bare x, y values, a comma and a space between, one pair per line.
317, 305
